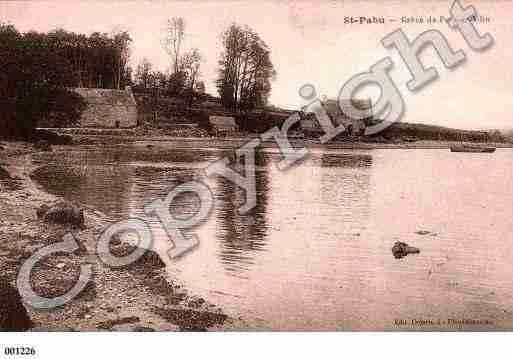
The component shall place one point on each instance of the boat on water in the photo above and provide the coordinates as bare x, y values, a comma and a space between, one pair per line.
472, 148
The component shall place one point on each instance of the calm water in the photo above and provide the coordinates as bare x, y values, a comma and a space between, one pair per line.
315, 253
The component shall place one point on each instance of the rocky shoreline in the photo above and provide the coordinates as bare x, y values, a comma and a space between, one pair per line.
139, 297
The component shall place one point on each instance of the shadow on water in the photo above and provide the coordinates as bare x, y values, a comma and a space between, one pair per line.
156, 182
120, 183
106, 187
349, 160
128, 154
117, 181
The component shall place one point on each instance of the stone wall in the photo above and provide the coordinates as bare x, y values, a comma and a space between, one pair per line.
108, 108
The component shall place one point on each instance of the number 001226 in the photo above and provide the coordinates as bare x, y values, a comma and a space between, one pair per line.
19, 351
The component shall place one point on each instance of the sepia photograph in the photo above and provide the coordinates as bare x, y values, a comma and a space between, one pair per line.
243, 166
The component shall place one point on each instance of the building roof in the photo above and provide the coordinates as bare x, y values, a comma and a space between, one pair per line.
223, 123
111, 97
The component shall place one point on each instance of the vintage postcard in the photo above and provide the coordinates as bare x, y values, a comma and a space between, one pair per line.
333, 165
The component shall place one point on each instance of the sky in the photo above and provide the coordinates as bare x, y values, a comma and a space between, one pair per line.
311, 44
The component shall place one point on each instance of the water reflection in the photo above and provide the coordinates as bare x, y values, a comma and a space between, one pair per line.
349, 183
152, 183
86, 184
242, 236
315, 252
119, 181
299, 236
349, 160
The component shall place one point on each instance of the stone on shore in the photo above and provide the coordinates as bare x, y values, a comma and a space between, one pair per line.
62, 213
401, 249
13, 315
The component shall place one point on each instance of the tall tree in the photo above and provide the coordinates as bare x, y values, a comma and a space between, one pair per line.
191, 63
245, 69
34, 82
38, 69
121, 46
174, 34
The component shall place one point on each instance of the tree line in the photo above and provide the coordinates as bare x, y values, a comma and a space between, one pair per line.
182, 80
244, 76
245, 69
40, 69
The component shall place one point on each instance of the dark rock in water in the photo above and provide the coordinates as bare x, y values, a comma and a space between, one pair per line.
62, 213
13, 315
401, 249
42, 145
422, 232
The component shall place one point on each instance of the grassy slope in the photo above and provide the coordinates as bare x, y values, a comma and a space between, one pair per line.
173, 110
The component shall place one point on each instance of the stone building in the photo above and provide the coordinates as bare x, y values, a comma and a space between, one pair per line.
341, 113
108, 108
223, 125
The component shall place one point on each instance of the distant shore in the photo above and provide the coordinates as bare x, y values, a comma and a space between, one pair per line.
233, 143
89, 136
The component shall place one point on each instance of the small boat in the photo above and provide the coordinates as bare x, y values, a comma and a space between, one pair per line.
472, 148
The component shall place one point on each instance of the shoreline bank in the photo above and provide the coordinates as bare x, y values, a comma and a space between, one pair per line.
98, 136
139, 297
233, 143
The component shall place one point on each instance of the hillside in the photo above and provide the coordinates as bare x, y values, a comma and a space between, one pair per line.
165, 113
404, 131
